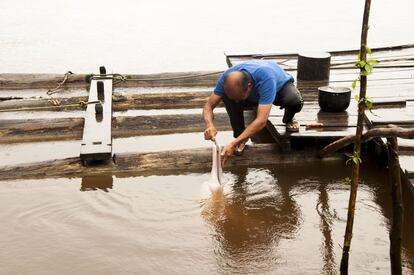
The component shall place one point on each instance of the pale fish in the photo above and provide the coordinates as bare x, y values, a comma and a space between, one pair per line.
215, 182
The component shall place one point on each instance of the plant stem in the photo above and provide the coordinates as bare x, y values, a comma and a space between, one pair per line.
357, 145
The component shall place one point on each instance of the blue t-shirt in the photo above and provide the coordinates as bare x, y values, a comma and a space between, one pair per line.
267, 76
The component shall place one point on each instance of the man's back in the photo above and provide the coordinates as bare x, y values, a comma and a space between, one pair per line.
267, 79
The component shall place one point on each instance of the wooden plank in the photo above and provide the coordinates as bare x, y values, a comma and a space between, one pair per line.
165, 162
407, 164
97, 131
316, 133
398, 116
289, 60
334, 53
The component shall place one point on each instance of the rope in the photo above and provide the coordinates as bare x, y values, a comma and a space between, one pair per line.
65, 78
81, 103
121, 78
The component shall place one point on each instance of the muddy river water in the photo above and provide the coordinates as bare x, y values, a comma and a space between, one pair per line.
273, 220
269, 220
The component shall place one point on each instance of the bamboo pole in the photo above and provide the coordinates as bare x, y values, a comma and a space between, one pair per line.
357, 145
397, 206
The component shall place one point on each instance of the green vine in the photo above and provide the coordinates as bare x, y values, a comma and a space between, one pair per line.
347, 181
365, 67
366, 100
355, 158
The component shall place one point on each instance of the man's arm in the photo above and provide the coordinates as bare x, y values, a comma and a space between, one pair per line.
210, 131
263, 111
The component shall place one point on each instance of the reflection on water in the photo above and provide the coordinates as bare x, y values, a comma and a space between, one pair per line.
250, 220
276, 220
93, 183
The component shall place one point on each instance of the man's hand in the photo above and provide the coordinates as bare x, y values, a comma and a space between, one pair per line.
228, 151
212, 102
210, 133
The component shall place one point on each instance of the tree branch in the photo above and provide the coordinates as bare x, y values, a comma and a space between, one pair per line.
389, 132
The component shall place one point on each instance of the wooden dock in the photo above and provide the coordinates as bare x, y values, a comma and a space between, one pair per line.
390, 87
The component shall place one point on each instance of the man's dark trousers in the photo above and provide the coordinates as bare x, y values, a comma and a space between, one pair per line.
288, 98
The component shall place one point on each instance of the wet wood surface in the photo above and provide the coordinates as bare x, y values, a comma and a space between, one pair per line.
28, 130
390, 87
97, 131
120, 102
49, 81
164, 162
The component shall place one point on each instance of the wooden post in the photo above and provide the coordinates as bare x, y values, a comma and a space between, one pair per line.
397, 206
97, 131
314, 66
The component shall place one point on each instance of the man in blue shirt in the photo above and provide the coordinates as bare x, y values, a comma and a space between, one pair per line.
252, 83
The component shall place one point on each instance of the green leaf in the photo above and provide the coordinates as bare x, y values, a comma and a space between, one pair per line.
369, 103
355, 160
354, 83
368, 50
347, 180
368, 68
364, 73
372, 61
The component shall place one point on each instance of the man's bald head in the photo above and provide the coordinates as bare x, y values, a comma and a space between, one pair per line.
237, 85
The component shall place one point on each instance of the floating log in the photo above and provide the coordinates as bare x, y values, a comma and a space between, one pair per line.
120, 102
36, 81
29, 130
48, 81
164, 163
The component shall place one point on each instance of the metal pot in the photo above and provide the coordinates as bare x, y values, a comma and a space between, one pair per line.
334, 99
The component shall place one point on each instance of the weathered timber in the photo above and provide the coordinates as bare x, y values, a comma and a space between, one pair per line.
48, 81
396, 232
120, 102
29, 130
35, 81
390, 132
97, 132
165, 162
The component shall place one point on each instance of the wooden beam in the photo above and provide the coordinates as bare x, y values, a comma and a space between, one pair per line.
120, 102
97, 131
165, 162
49, 81
29, 130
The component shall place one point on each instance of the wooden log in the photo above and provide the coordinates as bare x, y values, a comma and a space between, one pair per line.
390, 132
29, 130
120, 102
36, 81
164, 163
313, 66
397, 206
49, 81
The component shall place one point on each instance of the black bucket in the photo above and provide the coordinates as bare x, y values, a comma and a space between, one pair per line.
334, 99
